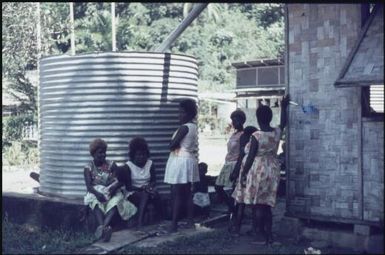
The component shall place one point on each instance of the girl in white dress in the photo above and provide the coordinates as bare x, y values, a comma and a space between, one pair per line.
141, 178
182, 165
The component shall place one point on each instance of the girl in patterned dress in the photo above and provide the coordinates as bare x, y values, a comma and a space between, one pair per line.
260, 172
182, 164
238, 118
104, 195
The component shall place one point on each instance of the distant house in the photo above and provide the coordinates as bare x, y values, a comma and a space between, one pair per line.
335, 58
220, 107
260, 81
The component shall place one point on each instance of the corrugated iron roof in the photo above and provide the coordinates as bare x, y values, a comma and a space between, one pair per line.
258, 62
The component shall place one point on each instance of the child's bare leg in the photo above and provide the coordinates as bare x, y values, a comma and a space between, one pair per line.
99, 215
177, 203
190, 204
144, 196
159, 206
268, 220
99, 219
107, 230
224, 197
238, 220
109, 215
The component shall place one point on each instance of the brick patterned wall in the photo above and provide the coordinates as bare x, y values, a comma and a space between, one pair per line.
324, 178
368, 63
373, 170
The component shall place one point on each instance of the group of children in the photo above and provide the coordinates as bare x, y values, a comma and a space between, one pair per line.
249, 169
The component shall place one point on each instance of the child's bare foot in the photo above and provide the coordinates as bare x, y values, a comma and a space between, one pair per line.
107, 232
99, 232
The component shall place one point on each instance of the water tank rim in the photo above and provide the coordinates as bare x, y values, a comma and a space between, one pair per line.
114, 52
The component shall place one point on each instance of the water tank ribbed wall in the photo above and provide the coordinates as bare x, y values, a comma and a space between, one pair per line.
113, 96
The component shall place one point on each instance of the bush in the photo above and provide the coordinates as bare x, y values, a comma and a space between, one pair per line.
14, 154
13, 127
21, 153
32, 156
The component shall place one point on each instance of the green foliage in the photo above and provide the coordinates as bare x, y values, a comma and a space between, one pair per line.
18, 37
19, 51
32, 156
21, 153
93, 29
13, 127
55, 28
14, 155
26, 239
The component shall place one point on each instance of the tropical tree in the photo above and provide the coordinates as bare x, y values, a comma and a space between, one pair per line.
19, 51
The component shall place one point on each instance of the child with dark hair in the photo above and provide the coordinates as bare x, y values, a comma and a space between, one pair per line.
182, 164
260, 172
140, 178
238, 118
201, 196
104, 195
245, 137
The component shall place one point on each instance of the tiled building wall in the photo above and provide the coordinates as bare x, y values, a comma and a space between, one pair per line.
373, 170
324, 178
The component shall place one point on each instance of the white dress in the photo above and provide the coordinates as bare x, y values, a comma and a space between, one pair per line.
182, 164
140, 176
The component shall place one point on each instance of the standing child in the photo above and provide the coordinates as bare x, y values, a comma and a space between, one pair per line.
238, 118
245, 137
201, 196
104, 195
182, 165
260, 171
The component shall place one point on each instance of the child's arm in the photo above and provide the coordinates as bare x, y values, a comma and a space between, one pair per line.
152, 176
243, 140
180, 134
88, 179
250, 157
112, 188
284, 104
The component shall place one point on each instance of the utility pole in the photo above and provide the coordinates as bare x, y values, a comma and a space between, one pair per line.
113, 26
38, 38
72, 28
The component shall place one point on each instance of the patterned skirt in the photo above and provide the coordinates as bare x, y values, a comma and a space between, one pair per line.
223, 178
261, 182
126, 209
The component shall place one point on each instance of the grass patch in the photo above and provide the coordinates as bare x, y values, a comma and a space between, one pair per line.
218, 241
26, 239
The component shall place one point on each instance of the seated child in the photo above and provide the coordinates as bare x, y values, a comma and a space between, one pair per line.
201, 198
104, 196
139, 177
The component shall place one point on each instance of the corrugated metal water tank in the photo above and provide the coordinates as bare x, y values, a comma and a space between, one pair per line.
113, 96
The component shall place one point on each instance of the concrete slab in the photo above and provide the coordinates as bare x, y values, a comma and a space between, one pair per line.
148, 236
